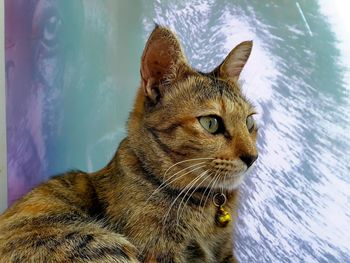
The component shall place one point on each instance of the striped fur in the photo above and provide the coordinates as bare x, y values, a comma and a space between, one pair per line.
154, 201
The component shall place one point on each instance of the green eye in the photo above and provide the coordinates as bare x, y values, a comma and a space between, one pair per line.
250, 123
209, 123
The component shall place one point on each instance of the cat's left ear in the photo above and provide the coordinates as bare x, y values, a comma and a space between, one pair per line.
233, 64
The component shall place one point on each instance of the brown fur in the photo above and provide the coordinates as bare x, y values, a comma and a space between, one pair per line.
133, 210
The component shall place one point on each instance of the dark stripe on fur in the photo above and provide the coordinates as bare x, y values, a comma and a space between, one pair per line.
60, 196
99, 253
172, 192
194, 252
165, 258
228, 259
35, 241
51, 220
167, 130
163, 146
215, 88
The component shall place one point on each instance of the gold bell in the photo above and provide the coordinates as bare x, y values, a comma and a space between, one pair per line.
222, 217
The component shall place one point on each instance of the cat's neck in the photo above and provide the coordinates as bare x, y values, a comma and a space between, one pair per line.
128, 173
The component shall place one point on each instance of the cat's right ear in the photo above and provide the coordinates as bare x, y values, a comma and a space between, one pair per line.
162, 54
233, 64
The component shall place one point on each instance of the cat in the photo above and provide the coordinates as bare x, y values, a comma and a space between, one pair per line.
170, 192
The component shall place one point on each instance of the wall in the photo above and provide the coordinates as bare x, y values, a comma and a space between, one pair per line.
73, 69
68, 64
3, 177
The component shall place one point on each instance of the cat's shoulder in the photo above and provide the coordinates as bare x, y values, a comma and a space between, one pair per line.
71, 191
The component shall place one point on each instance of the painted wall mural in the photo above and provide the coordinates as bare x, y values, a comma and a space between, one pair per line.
72, 69
63, 81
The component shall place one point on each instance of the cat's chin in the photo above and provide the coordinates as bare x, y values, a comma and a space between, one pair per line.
232, 182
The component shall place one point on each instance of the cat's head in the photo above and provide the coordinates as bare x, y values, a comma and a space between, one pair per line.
192, 129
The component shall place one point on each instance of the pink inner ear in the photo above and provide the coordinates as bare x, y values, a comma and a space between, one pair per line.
157, 60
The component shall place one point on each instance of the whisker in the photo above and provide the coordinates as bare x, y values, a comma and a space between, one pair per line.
177, 197
205, 191
166, 182
188, 160
211, 188
222, 186
184, 196
189, 167
180, 211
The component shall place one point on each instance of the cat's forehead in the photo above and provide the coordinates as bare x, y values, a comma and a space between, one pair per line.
210, 87
218, 95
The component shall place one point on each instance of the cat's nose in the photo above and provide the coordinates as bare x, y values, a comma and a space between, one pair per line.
248, 159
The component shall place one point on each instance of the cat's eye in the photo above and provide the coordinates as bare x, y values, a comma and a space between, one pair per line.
250, 123
211, 124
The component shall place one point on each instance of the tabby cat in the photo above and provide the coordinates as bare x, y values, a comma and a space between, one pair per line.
170, 192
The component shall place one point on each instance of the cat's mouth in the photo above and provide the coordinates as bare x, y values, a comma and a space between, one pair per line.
229, 173
230, 181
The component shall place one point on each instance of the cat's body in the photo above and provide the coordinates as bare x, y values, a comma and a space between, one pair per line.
156, 201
